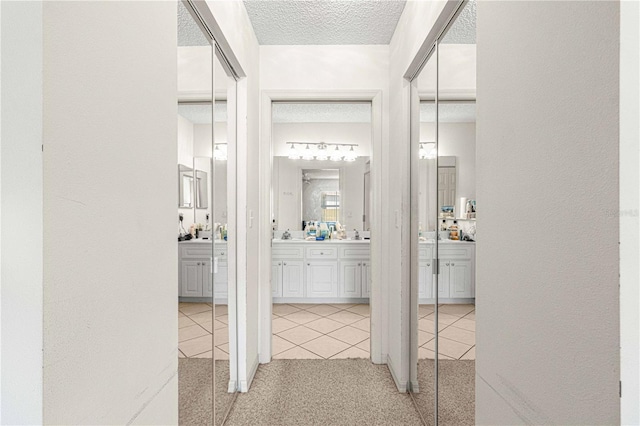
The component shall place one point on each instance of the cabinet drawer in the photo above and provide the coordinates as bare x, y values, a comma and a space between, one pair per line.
294, 252
196, 251
220, 253
354, 252
321, 253
455, 252
425, 253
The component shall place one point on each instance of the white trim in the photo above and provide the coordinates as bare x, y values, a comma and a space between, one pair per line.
377, 301
402, 386
246, 384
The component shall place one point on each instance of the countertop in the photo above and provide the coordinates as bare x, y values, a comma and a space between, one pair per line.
201, 241
298, 241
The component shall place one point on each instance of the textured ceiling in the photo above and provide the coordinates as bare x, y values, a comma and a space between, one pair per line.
458, 112
323, 22
463, 30
321, 113
201, 114
189, 34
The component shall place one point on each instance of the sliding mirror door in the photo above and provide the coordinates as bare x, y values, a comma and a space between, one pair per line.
207, 261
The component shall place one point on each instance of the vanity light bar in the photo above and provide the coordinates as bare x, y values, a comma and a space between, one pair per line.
320, 151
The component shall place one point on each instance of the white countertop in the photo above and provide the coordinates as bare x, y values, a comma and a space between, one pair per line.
297, 241
201, 241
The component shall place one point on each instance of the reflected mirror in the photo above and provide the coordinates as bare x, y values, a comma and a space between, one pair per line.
185, 186
320, 195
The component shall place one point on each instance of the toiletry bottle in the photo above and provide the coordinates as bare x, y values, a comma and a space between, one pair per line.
443, 227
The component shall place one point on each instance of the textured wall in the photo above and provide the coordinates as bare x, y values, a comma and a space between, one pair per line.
110, 252
547, 167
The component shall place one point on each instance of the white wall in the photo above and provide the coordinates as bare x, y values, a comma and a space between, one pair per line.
547, 138
357, 133
110, 249
21, 213
629, 211
413, 27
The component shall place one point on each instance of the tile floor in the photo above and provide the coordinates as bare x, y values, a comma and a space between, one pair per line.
326, 331
457, 332
194, 331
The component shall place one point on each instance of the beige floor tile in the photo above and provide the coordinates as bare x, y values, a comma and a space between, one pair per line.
208, 354
220, 354
448, 347
471, 316
350, 335
224, 347
345, 317
280, 324
425, 310
283, 309
324, 325
351, 352
223, 318
194, 308
363, 324
443, 318
221, 337
302, 317
181, 355
424, 337
220, 324
467, 324
342, 306
425, 324
185, 321
180, 314
202, 317
222, 310
471, 354
278, 345
325, 346
306, 306
360, 310
296, 353
299, 334
323, 310
191, 332
196, 346
459, 335
424, 353
365, 345
457, 310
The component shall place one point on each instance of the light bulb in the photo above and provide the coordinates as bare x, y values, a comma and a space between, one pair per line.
422, 152
350, 155
220, 153
336, 155
431, 153
308, 153
321, 154
293, 153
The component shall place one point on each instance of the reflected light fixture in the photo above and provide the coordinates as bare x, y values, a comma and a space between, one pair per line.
294, 154
322, 151
308, 154
321, 154
220, 151
428, 150
350, 155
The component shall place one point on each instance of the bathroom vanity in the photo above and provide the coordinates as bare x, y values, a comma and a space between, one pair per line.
195, 266
456, 281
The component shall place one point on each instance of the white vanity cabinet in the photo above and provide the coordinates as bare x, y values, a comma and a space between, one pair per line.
195, 279
456, 277
323, 272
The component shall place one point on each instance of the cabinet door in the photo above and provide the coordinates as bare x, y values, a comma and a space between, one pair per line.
292, 278
460, 279
350, 284
425, 280
443, 279
207, 279
366, 279
276, 279
221, 281
190, 278
322, 279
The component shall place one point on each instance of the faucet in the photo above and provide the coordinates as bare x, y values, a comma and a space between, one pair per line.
286, 235
357, 235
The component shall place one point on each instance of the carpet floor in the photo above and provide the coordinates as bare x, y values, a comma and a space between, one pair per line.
194, 391
326, 392
456, 402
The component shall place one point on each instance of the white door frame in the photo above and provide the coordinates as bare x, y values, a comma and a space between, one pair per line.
378, 325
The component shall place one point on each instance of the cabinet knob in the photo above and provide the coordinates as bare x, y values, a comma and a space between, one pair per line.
308, 264
279, 264
428, 264
447, 264
453, 264
198, 263
321, 253
359, 264
285, 263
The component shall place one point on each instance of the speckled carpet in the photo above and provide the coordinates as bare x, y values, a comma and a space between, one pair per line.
326, 392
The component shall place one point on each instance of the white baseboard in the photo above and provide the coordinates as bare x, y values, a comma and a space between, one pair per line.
246, 384
401, 385
233, 386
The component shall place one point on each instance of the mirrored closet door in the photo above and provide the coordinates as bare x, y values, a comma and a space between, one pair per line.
206, 206
443, 173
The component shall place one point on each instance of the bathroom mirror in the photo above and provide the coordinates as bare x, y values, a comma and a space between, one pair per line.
185, 186
320, 195
201, 190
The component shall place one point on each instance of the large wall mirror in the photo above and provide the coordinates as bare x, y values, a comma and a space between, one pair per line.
321, 156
